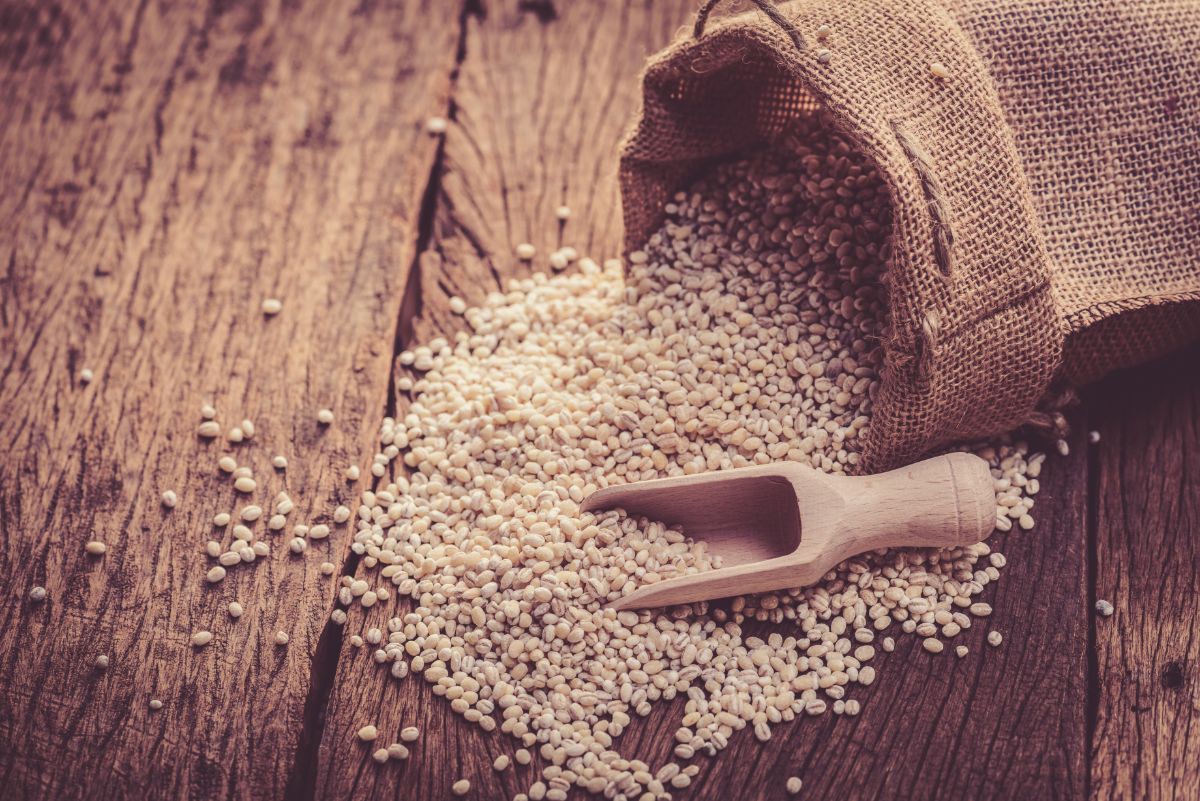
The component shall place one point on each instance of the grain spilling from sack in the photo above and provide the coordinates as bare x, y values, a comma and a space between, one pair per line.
745, 331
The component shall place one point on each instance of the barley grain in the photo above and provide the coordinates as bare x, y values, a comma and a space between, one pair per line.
746, 331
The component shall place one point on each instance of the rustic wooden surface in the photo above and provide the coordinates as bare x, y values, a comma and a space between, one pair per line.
165, 168
1146, 501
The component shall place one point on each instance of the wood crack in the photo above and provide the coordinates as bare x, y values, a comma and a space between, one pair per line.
1092, 679
302, 782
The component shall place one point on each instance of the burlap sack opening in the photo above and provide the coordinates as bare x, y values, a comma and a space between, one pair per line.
1046, 195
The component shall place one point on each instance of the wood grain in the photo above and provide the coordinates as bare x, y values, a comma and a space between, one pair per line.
1147, 499
540, 103
542, 97
166, 166
546, 91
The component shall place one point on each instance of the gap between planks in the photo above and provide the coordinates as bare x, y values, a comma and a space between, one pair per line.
301, 784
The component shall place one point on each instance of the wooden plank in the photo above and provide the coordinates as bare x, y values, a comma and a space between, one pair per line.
999, 723
166, 166
543, 95
1146, 742
540, 105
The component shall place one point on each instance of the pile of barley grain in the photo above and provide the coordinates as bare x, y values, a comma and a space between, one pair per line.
746, 331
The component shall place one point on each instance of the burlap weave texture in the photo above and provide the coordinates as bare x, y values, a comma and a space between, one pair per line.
1046, 195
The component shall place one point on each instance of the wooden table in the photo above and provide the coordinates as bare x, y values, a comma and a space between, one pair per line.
166, 166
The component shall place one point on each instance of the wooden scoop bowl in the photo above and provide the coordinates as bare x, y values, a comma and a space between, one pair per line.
786, 525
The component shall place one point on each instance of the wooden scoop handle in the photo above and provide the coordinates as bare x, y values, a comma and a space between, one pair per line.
940, 502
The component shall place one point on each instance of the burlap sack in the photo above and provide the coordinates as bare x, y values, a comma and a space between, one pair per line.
1046, 193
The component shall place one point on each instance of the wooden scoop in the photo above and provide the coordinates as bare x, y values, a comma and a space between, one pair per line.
786, 525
